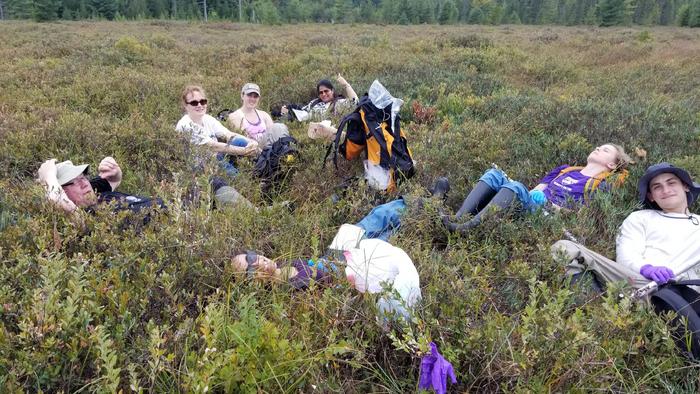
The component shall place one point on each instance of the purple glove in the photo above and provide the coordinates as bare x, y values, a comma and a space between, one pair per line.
658, 274
434, 370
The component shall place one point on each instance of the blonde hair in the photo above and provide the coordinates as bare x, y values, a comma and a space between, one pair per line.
190, 89
623, 159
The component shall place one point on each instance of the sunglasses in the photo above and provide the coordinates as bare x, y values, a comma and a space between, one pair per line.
201, 102
324, 91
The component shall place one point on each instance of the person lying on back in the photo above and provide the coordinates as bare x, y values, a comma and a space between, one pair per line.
563, 187
68, 187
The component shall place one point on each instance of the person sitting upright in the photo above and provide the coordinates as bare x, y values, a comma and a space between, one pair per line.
495, 190
204, 129
257, 124
659, 242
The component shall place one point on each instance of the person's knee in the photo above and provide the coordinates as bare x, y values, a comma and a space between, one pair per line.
493, 177
565, 248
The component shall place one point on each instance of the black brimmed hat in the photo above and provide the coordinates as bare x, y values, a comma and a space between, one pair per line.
666, 168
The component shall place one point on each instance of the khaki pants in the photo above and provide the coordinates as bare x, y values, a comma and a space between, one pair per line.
581, 259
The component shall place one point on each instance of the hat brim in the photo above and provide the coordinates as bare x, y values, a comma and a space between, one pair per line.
70, 172
683, 175
251, 91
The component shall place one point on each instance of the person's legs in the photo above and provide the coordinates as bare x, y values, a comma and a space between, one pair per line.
226, 162
503, 193
383, 220
581, 259
227, 195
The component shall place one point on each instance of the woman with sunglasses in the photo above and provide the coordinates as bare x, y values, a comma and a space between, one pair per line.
257, 124
327, 101
205, 130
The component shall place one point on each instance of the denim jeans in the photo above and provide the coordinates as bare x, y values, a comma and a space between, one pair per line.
497, 180
226, 162
384, 220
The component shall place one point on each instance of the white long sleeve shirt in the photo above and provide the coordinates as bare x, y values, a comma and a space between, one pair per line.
660, 239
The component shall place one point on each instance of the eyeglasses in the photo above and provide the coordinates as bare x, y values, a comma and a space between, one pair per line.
79, 178
324, 91
201, 102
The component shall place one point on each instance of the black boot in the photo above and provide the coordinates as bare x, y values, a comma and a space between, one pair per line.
476, 200
502, 201
440, 188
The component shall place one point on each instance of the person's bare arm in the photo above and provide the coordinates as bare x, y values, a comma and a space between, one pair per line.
349, 92
54, 192
110, 171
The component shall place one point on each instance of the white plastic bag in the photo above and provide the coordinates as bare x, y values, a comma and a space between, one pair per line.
378, 178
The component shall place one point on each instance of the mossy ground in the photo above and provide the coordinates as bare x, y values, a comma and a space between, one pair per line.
160, 309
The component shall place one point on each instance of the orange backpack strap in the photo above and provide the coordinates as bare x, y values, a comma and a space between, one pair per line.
594, 182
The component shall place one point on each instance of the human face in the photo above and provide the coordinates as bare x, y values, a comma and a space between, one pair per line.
605, 155
250, 100
80, 191
198, 110
325, 94
668, 192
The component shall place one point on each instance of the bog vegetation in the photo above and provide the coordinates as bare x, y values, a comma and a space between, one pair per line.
160, 309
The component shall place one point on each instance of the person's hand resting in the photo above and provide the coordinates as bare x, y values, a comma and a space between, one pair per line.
658, 274
538, 196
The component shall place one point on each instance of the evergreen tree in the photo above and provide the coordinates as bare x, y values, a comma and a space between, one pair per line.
266, 12
684, 15
449, 12
611, 12
548, 12
19, 9
105, 8
342, 11
476, 16
45, 10
694, 14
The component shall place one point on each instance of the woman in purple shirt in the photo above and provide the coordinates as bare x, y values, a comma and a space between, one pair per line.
558, 189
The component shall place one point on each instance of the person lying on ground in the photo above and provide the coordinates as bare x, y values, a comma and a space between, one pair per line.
257, 124
658, 242
369, 262
205, 131
326, 104
69, 188
563, 187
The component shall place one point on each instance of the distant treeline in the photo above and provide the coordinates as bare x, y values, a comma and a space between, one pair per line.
560, 12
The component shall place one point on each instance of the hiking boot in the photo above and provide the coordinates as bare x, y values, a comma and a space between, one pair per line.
476, 200
501, 202
440, 188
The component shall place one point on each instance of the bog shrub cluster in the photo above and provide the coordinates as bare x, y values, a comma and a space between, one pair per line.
158, 308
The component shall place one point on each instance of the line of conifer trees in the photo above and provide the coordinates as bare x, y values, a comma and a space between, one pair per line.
561, 12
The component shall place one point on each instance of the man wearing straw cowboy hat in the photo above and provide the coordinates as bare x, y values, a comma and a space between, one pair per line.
658, 243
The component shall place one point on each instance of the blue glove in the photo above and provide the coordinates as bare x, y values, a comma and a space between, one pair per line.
658, 274
434, 371
538, 197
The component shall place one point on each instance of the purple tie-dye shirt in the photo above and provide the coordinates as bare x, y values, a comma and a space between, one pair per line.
567, 186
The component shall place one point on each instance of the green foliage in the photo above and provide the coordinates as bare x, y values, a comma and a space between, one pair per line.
160, 309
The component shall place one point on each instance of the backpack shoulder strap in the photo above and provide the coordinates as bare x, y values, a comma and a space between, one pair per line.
333, 146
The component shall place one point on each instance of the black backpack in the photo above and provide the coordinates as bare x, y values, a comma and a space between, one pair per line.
684, 301
369, 129
269, 162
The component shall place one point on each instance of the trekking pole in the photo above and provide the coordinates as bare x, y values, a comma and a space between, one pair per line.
652, 286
